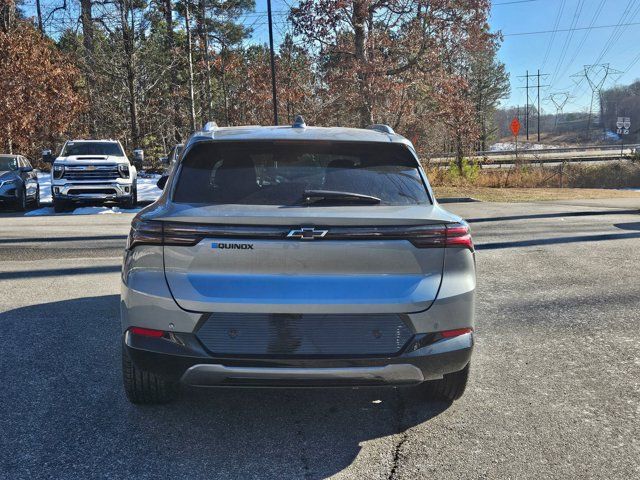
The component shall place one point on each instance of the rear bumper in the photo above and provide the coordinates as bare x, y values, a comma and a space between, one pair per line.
182, 357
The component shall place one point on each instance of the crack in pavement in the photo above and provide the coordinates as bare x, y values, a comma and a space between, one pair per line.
402, 431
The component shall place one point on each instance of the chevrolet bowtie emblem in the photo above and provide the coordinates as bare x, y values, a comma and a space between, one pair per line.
307, 233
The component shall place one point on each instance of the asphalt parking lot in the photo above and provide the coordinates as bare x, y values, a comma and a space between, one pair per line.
554, 392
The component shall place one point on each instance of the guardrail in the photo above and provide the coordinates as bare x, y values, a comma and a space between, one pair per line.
491, 153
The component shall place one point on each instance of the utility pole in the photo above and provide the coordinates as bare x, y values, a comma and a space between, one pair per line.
527, 108
273, 66
526, 121
538, 105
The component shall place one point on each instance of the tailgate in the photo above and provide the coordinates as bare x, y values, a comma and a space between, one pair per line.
264, 270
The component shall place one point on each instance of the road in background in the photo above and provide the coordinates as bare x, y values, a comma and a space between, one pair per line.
554, 391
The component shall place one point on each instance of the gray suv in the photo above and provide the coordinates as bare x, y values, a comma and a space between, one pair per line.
297, 257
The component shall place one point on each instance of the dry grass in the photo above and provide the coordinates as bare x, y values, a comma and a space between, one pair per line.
609, 175
488, 194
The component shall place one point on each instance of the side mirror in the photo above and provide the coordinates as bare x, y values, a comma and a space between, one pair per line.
26, 169
164, 160
47, 156
162, 182
138, 158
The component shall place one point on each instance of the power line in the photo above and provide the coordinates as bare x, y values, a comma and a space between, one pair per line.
553, 36
513, 2
563, 50
584, 38
516, 34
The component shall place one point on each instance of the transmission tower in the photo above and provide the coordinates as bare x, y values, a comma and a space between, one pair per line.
559, 100
596, 76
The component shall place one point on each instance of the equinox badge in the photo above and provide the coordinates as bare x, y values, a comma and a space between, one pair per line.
307, 233
233, 246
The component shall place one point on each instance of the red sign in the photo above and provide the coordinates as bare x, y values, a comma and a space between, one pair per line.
515, 127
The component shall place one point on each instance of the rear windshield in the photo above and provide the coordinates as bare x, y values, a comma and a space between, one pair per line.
279, 173
92, 148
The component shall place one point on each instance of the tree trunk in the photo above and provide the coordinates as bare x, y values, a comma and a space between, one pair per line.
192, 108
7, 15
126, 12
359, 19
203, 33
170, 44
39, 15
223, 77
86, 19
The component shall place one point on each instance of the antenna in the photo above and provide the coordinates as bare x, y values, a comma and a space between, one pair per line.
210, 126
381, 127
299, 122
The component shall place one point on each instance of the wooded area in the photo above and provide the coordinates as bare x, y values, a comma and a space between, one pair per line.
149, 73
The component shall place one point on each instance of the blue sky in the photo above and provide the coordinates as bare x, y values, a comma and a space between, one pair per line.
569, 51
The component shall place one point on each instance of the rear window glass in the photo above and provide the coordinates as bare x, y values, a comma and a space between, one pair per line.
279, 173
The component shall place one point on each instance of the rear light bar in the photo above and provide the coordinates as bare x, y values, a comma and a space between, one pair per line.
426, 339
146, 332
456, 333
150, 232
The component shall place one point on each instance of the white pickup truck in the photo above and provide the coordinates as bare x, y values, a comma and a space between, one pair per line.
92, 171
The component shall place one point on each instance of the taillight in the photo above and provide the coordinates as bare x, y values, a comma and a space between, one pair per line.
146, 332
144, 233
458, 235
149, 232
453, 235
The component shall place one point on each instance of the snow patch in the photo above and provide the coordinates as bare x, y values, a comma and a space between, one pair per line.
82, 211
505, 146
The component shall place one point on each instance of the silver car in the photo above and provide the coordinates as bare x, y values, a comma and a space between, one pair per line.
297, 257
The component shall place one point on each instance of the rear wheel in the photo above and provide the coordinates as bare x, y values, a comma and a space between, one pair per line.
449, 388
145, 388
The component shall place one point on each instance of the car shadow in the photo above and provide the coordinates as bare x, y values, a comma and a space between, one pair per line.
66, 415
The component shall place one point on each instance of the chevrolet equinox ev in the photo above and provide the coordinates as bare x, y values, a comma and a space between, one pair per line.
297, 256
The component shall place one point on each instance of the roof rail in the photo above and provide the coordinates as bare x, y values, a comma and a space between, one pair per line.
299, 122
210, 127
381, 127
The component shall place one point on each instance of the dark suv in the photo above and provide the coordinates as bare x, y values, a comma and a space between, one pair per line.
19, 186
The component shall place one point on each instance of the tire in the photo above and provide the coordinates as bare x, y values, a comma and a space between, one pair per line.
59, 206
449, 388
21, 202
132, 201
36, 201
145, 388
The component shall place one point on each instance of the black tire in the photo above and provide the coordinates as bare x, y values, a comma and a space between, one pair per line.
132, 201
449, 388
59, 206
145, 388
21, 202
36, 201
